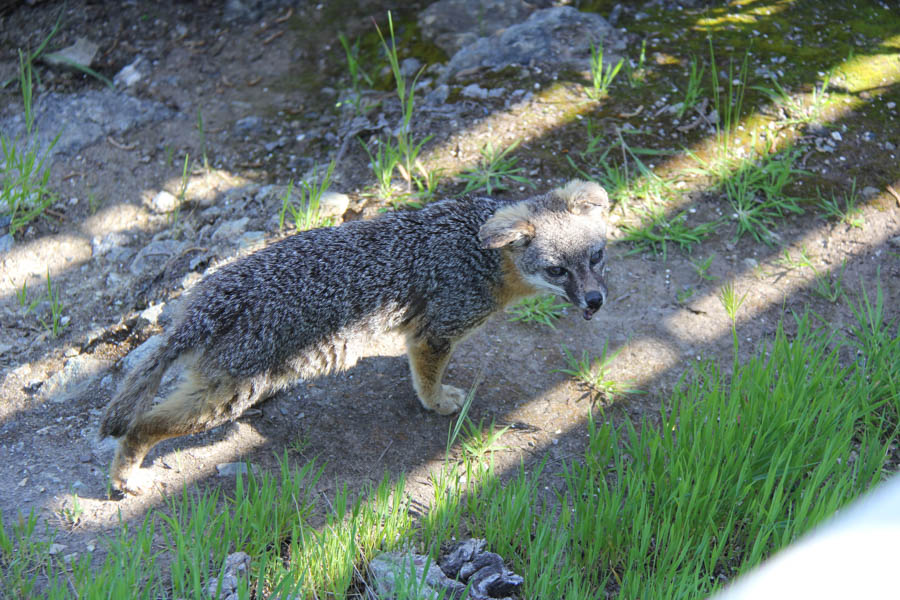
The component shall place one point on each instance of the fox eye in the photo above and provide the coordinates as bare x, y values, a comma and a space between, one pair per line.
555, 271
596, 257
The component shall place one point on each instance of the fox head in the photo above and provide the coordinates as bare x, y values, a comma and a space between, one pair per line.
557, 242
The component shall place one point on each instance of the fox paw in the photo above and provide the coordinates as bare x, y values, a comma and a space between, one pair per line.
451, 400
137, 482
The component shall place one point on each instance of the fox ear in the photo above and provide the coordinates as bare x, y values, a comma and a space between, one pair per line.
585, 197
508, 227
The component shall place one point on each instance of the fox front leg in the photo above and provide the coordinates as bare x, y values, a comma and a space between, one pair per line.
427, 360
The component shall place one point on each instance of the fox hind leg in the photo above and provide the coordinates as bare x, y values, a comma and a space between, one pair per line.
196, 405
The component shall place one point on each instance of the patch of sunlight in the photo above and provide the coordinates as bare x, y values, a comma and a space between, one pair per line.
525, 121
750, 12
872, 74
205, 186
31, 261
758, 134
801, 278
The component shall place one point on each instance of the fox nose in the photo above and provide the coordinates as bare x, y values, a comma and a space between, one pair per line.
594, 300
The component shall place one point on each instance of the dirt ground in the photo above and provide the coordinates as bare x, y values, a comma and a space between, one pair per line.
287, 68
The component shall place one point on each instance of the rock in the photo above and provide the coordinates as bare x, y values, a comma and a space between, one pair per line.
138, 354
251, 240
870, 192
333, 204
248, 125
55, 549
75, 376
410, 67
233, 468
438, 95
454, 24
466, 566
154, 254
484, 572
552, 38
82, 52
251, 10
130, 74
6, 242
476, 91
83, 118
236, 567
230, 230
393, 571
111, 241
163, 202
152, 312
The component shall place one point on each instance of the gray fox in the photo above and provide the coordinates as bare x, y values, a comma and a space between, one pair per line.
305, 306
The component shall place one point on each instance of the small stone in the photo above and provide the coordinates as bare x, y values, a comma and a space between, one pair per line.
231, 230
130, 74
55, 549
6, 243
836, 135
138, 354
77, 371
333, 204
438, 95
410, 67
108, 243
474, 91
82, 53
251, 240
152, 312
870, 192
250, 124
233, 468
164, 202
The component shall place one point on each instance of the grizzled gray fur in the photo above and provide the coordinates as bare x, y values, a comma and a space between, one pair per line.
307, 305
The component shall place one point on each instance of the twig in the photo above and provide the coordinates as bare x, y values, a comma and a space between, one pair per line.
285, 16
113, 142
388, 447
273, 37
894, 194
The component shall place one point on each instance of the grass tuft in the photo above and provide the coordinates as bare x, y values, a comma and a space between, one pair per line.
543, 310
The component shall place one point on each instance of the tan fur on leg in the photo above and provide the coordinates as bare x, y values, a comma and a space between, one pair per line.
428, 362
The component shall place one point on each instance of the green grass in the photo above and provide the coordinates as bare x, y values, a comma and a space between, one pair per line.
602, 76
407, 149
494, 169
24, 176
738, 463
843, 208
694, 86
543, 310
306, 215
796, 108
658, 230
55, 322
595, 374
